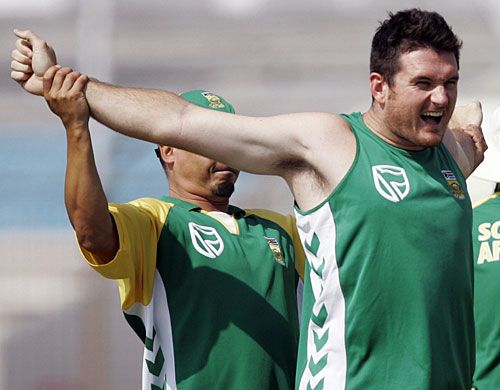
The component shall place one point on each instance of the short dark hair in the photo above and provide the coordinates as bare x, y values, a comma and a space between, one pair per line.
406, 31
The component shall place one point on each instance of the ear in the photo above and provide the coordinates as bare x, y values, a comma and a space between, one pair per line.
167, 154
378, 87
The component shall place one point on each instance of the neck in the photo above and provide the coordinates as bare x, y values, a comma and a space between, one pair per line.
205, 203
374, 121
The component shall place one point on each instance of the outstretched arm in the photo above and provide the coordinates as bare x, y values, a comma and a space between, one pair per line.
84, 196
311, 151
464, 139
164, 118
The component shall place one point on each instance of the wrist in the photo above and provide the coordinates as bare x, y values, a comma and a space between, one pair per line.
76, 129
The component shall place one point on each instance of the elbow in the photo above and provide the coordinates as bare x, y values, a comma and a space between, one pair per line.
92, 240
95, 234
102, 247
88, 240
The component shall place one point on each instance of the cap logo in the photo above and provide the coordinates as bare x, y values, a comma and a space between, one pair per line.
213, 100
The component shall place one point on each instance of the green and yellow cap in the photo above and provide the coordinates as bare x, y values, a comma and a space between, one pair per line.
204, 99
207, 99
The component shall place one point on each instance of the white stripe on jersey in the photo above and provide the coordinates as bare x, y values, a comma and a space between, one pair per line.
157, 310
326, 349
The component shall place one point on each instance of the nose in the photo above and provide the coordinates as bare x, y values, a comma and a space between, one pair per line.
440, 96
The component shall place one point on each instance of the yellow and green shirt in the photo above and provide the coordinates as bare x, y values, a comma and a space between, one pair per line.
215, 309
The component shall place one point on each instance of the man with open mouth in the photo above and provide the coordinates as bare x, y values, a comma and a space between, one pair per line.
381, 203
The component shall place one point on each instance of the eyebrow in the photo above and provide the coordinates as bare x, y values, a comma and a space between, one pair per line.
426, 78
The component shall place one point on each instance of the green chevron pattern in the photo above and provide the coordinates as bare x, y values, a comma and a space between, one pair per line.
319, 386
320, 336
314, 246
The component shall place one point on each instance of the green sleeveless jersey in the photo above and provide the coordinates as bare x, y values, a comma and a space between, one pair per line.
215, 309
388, 284
486, 238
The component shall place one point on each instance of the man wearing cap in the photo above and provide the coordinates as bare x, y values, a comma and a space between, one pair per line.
486, 240
208, 287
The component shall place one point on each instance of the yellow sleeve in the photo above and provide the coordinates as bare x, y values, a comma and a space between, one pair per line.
287, 222
139, 224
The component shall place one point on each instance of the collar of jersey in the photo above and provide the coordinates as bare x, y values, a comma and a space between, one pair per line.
233, 210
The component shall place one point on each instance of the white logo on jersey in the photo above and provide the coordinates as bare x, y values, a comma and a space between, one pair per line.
206, 240
391, 182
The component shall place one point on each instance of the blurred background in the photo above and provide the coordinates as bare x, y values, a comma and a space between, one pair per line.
61, 326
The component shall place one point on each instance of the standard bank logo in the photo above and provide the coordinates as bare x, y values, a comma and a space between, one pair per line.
391, 182
206, 240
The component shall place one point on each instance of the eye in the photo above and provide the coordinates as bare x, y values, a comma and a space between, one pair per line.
424, 84
451, 83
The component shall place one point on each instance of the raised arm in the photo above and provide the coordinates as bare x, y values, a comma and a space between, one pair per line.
258, 145
464, 139
84, 197
311, 151
267, 145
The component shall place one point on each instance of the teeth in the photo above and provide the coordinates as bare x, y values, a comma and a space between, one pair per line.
433, 114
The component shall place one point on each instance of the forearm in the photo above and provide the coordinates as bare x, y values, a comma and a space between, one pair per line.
466, 146
85, 200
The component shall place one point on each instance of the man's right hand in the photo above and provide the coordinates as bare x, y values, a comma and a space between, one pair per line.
63, 90
30, 60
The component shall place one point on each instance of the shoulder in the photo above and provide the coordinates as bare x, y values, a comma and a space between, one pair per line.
151, 208
266, 214
286, 222
308, 123
324, 122
325, 132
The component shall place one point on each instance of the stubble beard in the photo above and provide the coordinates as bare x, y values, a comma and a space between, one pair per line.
223, 190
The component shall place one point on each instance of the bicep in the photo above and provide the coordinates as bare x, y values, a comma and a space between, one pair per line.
262, 145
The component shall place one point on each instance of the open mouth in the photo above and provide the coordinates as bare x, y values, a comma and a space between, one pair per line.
432, 117
225, 169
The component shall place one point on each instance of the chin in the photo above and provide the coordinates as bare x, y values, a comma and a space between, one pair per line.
223, 190
430, 136
433, 140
